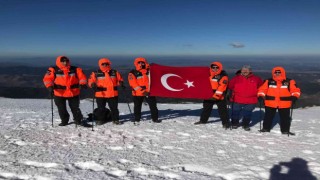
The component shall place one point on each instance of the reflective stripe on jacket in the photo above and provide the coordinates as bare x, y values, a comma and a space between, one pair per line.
219, 82
65, 79
139, 78
107, 83
278, 90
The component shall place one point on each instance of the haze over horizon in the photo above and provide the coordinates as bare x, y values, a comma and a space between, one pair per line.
214, 28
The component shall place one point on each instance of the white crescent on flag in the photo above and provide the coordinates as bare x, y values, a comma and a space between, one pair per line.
165, 84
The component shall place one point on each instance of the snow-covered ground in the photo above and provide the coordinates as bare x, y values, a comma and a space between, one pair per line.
30, 148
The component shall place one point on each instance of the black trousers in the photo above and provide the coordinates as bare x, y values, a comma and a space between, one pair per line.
222, 109
152, 102
284, 114
74, 103
113, 105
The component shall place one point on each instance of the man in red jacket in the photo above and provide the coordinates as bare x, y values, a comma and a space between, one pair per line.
244, 88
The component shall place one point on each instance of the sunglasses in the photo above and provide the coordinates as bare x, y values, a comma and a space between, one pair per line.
214, 67
277, 72
64, 60
141, 62
105, 64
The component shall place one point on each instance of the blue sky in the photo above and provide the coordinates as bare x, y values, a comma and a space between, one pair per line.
159, 27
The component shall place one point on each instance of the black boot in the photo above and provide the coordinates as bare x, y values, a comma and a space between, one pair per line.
156, 120
199, 122
264, 130
117, 122
63, 124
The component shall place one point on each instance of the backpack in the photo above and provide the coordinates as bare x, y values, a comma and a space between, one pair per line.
100, 116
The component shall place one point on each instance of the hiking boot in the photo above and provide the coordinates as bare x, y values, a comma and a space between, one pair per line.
288, 133
246, 128
63, 124
235, 126
156, 121
264, 130
226, 126
199, 122
116, 122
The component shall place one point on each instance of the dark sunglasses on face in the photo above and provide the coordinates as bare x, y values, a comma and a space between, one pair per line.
64, 60
105, 64
141, 62
277, 72
214, 67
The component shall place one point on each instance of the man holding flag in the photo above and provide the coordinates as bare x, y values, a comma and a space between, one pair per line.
139, 82
219, 83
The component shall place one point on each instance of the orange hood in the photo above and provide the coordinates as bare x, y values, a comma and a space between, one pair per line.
104, 68
138, 67
282, 76
60, 65
217, 64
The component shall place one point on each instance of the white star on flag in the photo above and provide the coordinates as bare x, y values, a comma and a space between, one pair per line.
189, 84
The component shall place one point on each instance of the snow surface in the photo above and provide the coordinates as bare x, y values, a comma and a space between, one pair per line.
30, 148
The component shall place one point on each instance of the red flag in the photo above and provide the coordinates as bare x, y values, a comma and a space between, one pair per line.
180, 82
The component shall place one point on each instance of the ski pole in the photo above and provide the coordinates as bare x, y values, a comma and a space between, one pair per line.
291, 111
51, 108
93, 108
260, 105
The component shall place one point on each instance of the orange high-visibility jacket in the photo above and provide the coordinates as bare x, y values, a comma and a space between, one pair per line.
65, 79
278, 90
106, 79
139, 78
219, 81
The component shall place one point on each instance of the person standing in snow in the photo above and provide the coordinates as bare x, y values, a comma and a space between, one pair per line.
219, 82
63, 82
278, 93
105, 82
139, 82
243, 90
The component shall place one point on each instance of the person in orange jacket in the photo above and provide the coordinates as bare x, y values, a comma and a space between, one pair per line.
105, 82
64, 82
219, 83
139, 82
279, 93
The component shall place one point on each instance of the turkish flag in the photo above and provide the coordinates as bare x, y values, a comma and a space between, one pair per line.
180, 82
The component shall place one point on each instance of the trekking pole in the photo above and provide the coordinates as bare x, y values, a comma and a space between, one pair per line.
231, 114
93, 108
291, 111
51, 108
260, 105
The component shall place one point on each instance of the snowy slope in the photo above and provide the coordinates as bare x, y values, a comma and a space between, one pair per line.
30, 148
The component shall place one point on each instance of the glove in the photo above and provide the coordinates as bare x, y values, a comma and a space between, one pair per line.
229, 95
83, 86
260, 99
50, 89
93, 85
145, 93
294, 99
213, 99
122, 85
